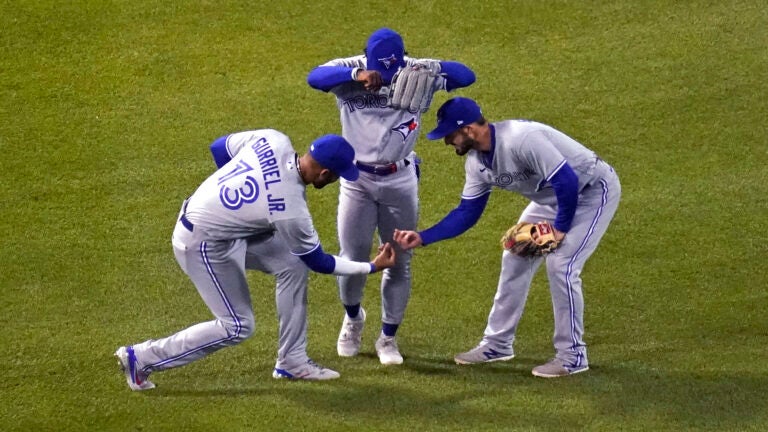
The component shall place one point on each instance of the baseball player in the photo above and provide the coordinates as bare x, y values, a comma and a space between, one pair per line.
252, 213
386, 194
569, 186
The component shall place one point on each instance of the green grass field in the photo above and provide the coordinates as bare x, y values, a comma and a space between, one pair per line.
106, 112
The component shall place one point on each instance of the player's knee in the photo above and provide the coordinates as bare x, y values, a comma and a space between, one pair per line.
241, 329
400, 271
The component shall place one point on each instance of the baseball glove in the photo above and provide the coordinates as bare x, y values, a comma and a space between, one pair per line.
528, 239
413, 86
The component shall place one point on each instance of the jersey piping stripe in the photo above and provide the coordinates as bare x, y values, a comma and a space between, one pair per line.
554, 171
307, 252
227, 303
476, 196
569, 271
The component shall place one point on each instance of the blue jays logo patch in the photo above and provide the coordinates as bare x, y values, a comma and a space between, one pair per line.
388, 61
405, 128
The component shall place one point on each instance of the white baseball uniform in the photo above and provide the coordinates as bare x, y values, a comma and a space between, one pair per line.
382, 137
524, 158
251, 213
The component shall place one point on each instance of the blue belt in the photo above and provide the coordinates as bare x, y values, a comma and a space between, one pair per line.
184, 221
381, 170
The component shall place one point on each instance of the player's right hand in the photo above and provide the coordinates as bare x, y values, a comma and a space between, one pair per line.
385, 258
371, 79
407, 239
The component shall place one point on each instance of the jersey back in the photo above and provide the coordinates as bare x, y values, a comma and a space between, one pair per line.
257, 192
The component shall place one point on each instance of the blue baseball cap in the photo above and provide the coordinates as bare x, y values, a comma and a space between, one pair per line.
334, 153
453, 115
385, 52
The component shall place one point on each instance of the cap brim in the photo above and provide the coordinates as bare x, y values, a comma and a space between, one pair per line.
350, 174
441, 131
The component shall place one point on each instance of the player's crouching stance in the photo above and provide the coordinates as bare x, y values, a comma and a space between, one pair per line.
252, 214
571, 190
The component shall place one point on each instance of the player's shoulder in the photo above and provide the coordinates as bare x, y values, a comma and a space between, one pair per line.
413, 60
275, 138
353, 61
518, 127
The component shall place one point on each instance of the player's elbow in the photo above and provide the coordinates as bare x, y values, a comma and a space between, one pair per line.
319, 262
466, 79
316, 79
459, 75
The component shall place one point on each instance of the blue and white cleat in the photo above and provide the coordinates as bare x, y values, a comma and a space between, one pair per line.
137, 380
482, 354
556, 368
310, 371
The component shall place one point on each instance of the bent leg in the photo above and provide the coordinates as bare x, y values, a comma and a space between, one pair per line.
596, 209
217, 270
291, 274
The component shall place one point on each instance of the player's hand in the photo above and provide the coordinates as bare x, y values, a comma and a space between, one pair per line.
407, 239
559, 235
385, 258
371, 79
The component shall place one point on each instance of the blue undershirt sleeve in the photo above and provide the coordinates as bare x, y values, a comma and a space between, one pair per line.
319, 261
219, 151
325, 78
566, 185
457, 75
457, 221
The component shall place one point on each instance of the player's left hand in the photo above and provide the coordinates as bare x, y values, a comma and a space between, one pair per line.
532, 239
407, 239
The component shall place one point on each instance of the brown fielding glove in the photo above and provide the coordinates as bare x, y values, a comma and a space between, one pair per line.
527, 239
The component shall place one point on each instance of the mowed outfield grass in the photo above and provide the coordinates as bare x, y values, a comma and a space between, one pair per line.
106, 112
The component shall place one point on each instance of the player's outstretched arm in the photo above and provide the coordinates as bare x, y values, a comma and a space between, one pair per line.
407, 239
319, 261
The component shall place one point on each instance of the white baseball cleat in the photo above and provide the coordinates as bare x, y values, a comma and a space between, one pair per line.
386, 348
351, 335
137, 380
310, 371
